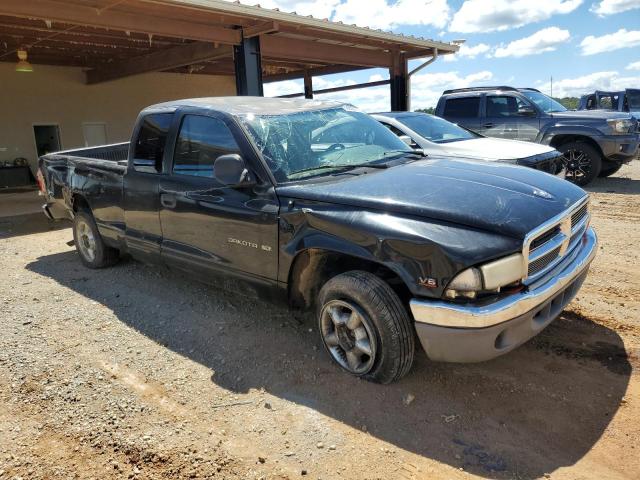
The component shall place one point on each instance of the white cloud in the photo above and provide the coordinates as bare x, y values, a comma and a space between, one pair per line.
468, 52
613, 41
426, 89
610, 7
575, 87
385, 15
633, 66
545, 40
490, 15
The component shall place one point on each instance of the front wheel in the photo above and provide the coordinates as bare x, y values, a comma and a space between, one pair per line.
365, 328
91, 248
583, 162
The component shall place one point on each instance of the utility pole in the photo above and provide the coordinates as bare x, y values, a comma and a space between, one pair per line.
551, 85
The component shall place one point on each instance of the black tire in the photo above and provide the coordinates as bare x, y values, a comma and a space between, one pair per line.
385, 320
583, 162
609, 169
91, 248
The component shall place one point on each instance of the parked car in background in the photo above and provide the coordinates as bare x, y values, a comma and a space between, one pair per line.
621, 101
437, 136
473, 257
594, 143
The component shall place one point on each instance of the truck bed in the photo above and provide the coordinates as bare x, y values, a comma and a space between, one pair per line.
95, 174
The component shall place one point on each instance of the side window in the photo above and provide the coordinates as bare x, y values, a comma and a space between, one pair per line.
200, 141
395, 130
466, 107
504, 106
152, 138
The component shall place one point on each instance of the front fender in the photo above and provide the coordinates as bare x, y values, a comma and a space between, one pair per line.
411, 247
547, 133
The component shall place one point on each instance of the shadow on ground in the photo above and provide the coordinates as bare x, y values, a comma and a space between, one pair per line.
530, 412
19, 225
622, 185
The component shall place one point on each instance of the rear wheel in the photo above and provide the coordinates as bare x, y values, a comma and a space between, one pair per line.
89, 244
609, 169
365, 328
582, 161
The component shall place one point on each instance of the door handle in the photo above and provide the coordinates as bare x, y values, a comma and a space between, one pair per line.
488, 125
168, 200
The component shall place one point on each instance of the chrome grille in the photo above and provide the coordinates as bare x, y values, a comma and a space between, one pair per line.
546, 246
579, 215
544, 238
538, 265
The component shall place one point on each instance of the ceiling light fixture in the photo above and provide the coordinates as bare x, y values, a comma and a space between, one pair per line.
23, 65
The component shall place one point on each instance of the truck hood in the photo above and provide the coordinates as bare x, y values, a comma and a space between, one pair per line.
591, 114
496, 197
495, 149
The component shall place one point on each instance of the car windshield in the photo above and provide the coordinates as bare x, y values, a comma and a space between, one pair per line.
319, 142
544, 103
436, 129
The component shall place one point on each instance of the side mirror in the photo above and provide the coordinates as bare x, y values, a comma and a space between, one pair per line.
406, 139
527, 111
231, 170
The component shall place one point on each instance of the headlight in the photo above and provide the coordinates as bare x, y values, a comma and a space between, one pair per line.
489, 277
466, 284
620, 126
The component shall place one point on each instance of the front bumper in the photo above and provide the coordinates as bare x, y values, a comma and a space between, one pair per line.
619, 148
451, 332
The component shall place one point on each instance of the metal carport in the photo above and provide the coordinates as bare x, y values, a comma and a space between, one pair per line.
113, 39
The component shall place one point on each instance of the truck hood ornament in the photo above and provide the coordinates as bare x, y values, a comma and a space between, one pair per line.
542, 194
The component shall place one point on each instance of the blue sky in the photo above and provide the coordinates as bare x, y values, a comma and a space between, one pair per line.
583, 44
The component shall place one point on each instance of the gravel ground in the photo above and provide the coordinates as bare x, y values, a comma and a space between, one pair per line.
138, 372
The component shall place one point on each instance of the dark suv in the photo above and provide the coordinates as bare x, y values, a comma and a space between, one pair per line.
594, 143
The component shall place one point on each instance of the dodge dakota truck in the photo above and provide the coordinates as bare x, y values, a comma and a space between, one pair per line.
385, 244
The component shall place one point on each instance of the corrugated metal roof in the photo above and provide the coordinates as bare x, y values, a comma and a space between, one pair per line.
258, 12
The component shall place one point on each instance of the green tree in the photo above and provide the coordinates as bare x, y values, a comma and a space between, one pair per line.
430, 110
569, 102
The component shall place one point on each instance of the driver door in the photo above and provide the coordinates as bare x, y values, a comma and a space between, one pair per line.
208, 226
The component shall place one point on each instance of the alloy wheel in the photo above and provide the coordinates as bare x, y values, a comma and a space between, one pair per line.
86, 240
349, 336
578, 165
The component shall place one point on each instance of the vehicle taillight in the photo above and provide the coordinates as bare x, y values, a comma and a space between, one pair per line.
40, 180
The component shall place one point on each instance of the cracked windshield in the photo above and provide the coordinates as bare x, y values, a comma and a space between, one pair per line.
321, 142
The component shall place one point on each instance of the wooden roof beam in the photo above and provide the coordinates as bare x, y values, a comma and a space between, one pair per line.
273, 46
115, 19
260, 29
189, 54
329, 70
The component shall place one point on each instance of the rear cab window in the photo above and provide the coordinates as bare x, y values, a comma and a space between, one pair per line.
463, 107
151, 141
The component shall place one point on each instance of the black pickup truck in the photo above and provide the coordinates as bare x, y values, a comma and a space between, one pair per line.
320, 205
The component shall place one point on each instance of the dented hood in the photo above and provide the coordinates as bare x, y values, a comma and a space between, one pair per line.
496, 197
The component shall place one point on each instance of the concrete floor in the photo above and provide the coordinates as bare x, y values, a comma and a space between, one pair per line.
21, 214
20, 202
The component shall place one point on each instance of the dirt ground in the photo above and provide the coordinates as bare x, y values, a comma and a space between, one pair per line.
137, 372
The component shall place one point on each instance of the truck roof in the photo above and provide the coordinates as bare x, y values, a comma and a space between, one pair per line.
245, 105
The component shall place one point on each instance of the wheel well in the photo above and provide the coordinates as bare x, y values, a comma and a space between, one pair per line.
312, 268
558, 140
78, 202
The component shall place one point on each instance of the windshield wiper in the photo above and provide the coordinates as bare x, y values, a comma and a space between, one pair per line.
419, 152
342, 167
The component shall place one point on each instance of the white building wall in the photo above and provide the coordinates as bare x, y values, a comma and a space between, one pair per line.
58, 95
